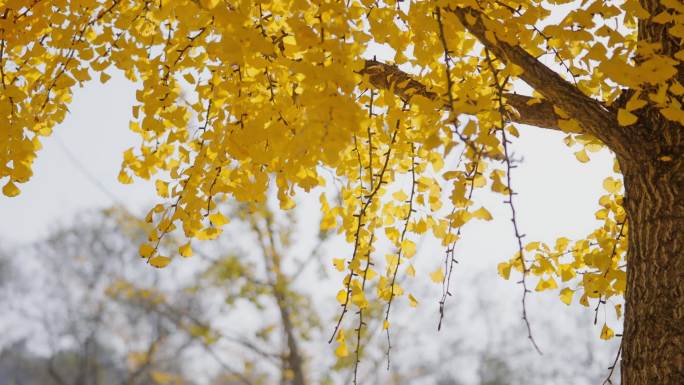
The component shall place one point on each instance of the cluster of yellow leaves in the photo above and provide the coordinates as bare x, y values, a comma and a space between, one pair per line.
593, 267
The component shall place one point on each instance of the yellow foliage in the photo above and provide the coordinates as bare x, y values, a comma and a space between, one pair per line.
274, 100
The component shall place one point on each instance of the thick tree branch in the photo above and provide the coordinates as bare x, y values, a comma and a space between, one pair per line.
526, 110
591, 114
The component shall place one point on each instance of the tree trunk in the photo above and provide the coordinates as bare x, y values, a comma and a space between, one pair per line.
653, 340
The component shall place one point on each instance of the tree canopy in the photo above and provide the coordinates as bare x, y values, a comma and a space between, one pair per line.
236, 96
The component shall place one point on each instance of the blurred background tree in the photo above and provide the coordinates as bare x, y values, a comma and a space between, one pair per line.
252, 308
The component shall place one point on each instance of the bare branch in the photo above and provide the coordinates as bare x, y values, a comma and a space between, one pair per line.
500, 86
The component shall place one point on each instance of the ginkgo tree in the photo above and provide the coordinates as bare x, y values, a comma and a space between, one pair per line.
235, 96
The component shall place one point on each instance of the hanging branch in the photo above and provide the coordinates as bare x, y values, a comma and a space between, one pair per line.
401, 241
184, 183
359, 226
449, 258
500, 86
357, 351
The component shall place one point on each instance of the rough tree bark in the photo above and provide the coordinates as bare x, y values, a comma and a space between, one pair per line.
653, 339
653, 169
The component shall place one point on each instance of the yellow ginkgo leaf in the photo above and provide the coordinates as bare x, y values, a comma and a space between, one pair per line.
162, 188
10, 189
582, 156
437, 276
189, 78
409, 248
124, 178
185, 250
612, 185
566, 295
546, 284
218, 219
584, 300
341, 296
146, 250
607, 333
104, 77
159, 261
504, 269
400, 196
342, 350
626, 118
566, 272
359, 299
339, 263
